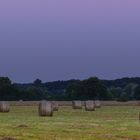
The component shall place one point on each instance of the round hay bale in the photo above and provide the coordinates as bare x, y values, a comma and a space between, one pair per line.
4, 106
21, 101
55, 105
89, 106
45, 108
97, 104
77, 104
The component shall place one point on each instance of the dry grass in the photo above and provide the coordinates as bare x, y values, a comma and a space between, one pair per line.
89, 106
107, 123
45, 108
4, 106
69, 103
55, 105
77, 105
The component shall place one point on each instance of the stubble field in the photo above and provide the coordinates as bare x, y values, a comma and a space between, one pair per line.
107, 123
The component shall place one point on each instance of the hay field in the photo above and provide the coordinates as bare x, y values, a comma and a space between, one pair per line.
107, 123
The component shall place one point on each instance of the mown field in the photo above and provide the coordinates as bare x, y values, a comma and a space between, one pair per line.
107, 123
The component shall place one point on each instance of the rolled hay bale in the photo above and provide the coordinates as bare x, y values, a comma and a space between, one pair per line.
45, 108
89, 106
21, 101
76, 104
4, 106
55, 105
97, 104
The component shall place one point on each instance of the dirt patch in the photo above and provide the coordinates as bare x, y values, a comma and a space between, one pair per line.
8, 138
22, 126
126, 138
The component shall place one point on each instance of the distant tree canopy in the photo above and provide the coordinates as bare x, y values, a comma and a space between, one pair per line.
122, 82
4, 81
7, 90
37, 82
137, 93
89, 89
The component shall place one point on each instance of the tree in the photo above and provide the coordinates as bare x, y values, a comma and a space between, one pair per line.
37, 82
74, 91
88, 89
115, 92
130, 90
4, 82
137, 93
7, 90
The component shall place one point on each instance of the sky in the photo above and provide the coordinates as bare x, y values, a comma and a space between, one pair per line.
69, 39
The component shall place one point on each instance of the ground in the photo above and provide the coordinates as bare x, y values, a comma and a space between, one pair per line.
107, 123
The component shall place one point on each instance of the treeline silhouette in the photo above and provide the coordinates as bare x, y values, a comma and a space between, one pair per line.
92, 88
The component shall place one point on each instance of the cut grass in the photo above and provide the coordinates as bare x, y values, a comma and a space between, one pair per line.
107, 123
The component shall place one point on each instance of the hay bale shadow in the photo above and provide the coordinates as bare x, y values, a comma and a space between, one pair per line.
8, 138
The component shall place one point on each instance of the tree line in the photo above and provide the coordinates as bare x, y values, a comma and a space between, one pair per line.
89, 89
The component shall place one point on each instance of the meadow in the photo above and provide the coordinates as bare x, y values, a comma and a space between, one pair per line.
106, 123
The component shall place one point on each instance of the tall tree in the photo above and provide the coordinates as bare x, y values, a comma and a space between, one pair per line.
91, 88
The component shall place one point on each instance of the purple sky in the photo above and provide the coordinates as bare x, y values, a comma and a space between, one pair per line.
64, 39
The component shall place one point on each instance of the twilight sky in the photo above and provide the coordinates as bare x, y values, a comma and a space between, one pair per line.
65, 39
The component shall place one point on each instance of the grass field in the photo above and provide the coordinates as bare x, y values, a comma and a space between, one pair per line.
107, 123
